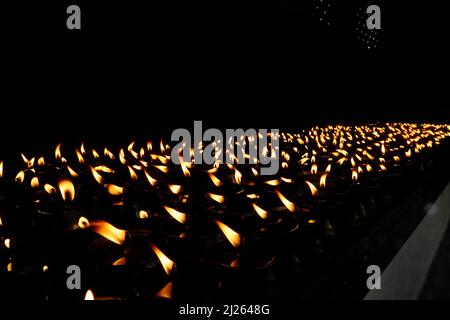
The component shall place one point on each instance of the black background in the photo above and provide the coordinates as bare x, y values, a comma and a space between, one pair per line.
138, 66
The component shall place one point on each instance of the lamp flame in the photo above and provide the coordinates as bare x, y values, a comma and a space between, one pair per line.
215, 180
165, 261
323, 180
217, 197
67, 189
108, 231
166, 292
150, 179
96, 175
232, 236
114, 190
260, 211
288, 204
177, 215
89, 296
312, 188
20, 176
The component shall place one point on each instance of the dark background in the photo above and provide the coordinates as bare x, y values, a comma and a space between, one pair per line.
138, 67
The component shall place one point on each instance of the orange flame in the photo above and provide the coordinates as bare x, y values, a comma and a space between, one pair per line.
314, 168
237, 176
82, 149
143, 214
165, 169
114, 190
328, 169
72, 172
165, 261
120, 262
49, 188
67, 189
35, 182
133, 174
108, 231
58, 152
20, 176
41, 161
260, 211
166, 292
83, 223
79, 156
108, 154
232, 236
150, 179
174, 188
186, 171
96, 175
354, 175
177, 215
89, 296
217, 197
95, 154
215, 180
288, 204
274, 182
312, 188
323, 180
1, 169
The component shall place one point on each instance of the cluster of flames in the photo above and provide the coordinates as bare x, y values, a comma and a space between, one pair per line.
315, 155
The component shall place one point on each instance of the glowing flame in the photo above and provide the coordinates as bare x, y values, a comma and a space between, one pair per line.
328, 168
150, 179
369, 168
114, 190
174, 188
96, 175
215, 180
45, 269
186, 171
288, 204
408, 153
252, 196
165, 169
383, 148
255, 172
354, 175
314, 168
89, 296
58, 152
82, 149
217, 197
237, 176
41, 161
95, 154
35, 182
104, 168
166, 292
177, 215
165, 261
274, 182
1, 169
120, 262
133, 174
383, 167
20, 176
83, 223
323, 180
108, 231
260, 211
49, 188
312, 188
7, 243
72, 172
143, 214
232, 236
79, 156
108, 154
67, 189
